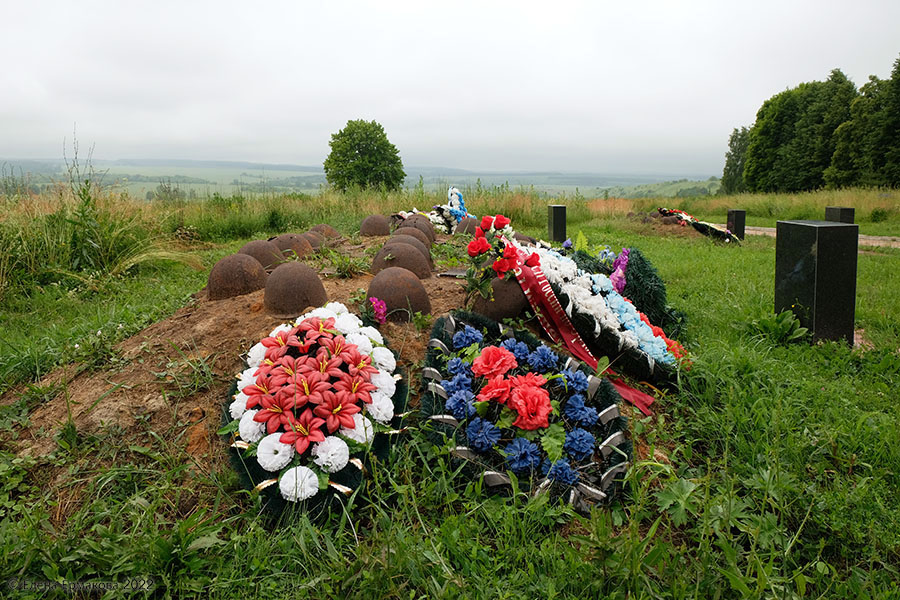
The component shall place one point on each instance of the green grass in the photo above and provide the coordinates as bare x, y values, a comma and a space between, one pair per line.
782, 481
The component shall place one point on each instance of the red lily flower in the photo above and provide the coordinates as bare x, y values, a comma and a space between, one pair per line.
303, 431
337, 346
337, 409
360, 364
283, 371
324, 363
307, 387
256, 392
356, 387
277, 346
264, 368
276, 413
315, 328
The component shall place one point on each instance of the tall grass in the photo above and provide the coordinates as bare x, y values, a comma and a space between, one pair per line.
77, 233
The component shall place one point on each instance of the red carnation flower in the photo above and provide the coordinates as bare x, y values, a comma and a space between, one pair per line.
497, 389
494, 361
532, 405
528, 379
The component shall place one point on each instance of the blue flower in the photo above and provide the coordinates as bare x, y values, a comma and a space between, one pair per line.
519, 349
461, 405
567, 243
458, 366
579, 444
560, 471
542, 359
482, 434
576, 381
575, 410
522, 455
468, 336
460, 382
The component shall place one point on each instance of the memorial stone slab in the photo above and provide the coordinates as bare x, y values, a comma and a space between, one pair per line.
556, 222
815, 276
737, 220
841, 214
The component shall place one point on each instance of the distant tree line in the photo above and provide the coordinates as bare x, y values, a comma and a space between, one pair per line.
819, 134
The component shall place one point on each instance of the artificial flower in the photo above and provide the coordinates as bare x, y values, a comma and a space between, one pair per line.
337, 410
522, 455
332, 454
272, 455
381, 408
466, 337
362, 431
500, 222
579, 444
460, 404
384, 382
303, 431
237, 408
383, 359
533, 407
542, 359
477, 247
482, 434
249, 429
298, 483
275, 413
493, 361
576, 410
497, 389
561, 471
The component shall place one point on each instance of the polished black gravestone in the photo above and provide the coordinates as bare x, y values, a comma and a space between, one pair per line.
556, 222
736, 221
840, 214
815, 276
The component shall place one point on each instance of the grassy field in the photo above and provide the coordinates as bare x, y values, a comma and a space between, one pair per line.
774, 471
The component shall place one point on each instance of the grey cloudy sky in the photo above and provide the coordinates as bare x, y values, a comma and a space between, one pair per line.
626, 86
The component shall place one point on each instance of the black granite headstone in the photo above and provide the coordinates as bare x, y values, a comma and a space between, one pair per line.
815, 276
841, 214
736, 220
556, 222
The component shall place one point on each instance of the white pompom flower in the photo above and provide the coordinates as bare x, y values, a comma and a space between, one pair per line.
256, 355
347, 323
362, 432
383, 359
246, 378
337, 308
250, 430
381, 408
298, 483
331, 454
384, 383
320, 313
237, 408
283, 327
373, 334
272, 455
363, 344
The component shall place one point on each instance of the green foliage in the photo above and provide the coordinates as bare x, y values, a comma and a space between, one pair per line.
783, 328
733, 173
362, 156
791, 143
187, 374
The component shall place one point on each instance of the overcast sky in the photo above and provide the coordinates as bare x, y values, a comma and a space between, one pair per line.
612, 87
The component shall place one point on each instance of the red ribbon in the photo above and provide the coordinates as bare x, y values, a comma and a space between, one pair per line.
556, 323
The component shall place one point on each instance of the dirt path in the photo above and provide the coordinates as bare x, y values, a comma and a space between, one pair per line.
864, 240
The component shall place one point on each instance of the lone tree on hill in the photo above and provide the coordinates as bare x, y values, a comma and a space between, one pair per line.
362, 155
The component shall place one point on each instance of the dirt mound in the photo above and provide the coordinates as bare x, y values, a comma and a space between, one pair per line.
173, 376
